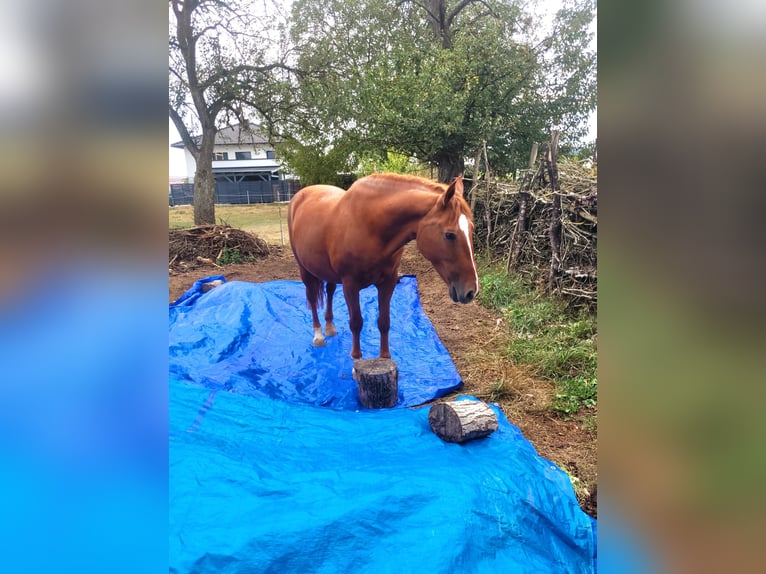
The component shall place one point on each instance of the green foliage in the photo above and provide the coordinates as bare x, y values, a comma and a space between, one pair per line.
548, 338
498, 291
577, 152
314, 163
575, 393
391, 162
389, 76
230, 255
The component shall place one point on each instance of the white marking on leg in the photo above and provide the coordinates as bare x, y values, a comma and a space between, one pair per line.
318, 338
462, 223
329, 329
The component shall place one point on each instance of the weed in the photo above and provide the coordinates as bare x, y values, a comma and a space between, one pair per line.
577, 485
589, 423
501, 390
230, 255
575, 393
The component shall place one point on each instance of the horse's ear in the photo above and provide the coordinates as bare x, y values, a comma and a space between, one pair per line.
455, 186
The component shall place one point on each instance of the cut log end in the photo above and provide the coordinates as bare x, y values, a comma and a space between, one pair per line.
210, 285
461, 421
378, 382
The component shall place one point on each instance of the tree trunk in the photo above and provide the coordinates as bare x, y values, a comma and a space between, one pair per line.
204, 183
451, 165
436, 13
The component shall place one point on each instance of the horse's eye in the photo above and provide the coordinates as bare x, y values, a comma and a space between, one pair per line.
451, 236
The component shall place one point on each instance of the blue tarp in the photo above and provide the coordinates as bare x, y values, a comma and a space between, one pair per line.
278, 484
256, 339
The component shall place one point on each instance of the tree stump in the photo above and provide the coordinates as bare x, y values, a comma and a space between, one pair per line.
461, 421
378, 382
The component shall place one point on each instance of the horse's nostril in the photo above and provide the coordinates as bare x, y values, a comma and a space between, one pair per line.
469, 297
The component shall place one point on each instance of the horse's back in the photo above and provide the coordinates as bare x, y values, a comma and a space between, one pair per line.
313, 202
320, 197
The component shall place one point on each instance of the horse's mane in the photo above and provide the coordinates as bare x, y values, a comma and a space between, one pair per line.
409, 179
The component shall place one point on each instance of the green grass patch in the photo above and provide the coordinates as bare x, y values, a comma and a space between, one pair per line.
547, 337
267, 220
232, 255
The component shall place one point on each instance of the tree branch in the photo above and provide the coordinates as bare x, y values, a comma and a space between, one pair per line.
186, 137
236, 70
464, 4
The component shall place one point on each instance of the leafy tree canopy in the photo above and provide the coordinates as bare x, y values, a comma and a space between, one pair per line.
434, 79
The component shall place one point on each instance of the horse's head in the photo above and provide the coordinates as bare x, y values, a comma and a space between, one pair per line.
444, 237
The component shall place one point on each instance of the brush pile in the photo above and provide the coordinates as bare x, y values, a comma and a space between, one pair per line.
546, 233
213, 245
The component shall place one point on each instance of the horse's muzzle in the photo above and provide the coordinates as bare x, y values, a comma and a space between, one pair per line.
457, 297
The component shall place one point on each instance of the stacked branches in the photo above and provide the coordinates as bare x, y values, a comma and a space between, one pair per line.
208, 244
514, 222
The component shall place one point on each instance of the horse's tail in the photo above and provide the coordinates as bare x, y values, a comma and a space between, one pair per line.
314, 292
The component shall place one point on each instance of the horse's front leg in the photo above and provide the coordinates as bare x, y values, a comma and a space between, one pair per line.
329, 327
355, 321
385, 291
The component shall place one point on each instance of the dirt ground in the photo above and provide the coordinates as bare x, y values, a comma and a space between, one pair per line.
475, 338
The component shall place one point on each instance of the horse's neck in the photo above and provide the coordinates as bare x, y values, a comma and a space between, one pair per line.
400, 226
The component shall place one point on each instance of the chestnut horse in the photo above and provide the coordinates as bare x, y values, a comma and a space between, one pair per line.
357, 237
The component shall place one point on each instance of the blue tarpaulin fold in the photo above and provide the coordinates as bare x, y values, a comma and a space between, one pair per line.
266, 480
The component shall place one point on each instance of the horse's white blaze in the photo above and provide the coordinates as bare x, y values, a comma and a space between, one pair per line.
462, 224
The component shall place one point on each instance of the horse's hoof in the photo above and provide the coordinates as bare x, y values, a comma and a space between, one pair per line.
329, 330
319, 342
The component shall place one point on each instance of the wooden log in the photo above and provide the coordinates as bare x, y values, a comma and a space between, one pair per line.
211, 285
378, 382
461, 421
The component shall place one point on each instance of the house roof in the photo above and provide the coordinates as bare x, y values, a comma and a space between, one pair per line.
267, 168
232, 135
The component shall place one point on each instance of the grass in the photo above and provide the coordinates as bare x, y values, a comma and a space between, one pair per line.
552, 341
267, 220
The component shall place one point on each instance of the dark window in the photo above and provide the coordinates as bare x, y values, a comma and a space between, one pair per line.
244, 155
220, 156
270, 154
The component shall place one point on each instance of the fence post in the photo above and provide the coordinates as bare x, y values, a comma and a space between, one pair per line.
555, 229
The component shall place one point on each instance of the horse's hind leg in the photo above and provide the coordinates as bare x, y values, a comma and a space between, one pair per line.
355, 321
329, 328
314, 297
318, 337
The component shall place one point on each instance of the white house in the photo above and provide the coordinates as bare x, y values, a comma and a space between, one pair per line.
245, 168
239, 155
